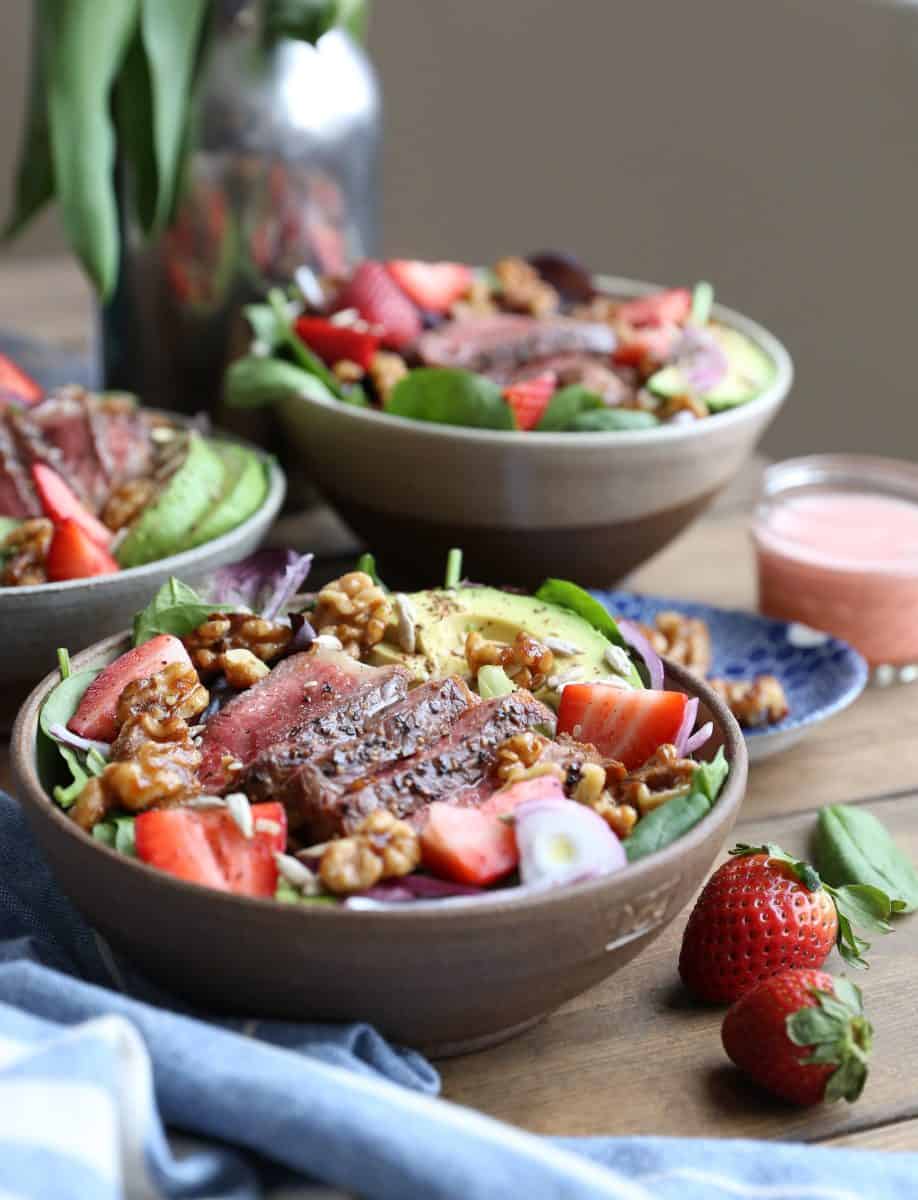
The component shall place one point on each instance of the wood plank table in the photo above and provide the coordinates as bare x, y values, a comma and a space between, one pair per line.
634, 1055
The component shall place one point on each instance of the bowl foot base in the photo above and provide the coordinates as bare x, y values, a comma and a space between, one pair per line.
484, 1042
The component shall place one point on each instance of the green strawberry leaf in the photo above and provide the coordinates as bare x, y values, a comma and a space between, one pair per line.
837, 1033
805, 872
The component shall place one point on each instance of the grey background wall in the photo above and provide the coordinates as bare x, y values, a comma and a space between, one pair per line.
768, 145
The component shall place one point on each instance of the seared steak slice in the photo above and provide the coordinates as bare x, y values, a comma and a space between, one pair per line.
505, 341
17, 496
59, 432
307, 784
457, 766
316, 698
122, 436
590, 371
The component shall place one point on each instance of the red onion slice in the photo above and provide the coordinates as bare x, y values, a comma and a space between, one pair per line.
701, 359
640, 644
561, 841
289, 584
418, 887
698, 738
688, 724
63, 734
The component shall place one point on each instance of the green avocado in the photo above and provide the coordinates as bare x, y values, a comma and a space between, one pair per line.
245, 486
443, 618
749, 372
163, 527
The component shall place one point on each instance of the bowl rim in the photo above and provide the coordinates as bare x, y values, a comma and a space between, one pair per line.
769, 399
724, 812
174, 563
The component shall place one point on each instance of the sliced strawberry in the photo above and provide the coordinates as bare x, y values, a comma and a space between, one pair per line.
670, 307
529, 398
74, 555
646, 348
333, 343
381, 302
60, 504
96, 716
15, 386
625, 724
467, 845
543, 787
435, 286
209, 848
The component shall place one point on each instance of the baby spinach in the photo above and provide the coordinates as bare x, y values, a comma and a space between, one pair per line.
665, 825
287, 894
117, 833
709, 777
176, 608
611, 420
256, 381
367, 564
853, 847
60, 706
564, 406
571, 596
448, 396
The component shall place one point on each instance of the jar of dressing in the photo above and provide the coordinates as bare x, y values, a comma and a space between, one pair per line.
836, 538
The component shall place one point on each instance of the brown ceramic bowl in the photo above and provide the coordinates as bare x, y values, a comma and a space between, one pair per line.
446, 976
584, 506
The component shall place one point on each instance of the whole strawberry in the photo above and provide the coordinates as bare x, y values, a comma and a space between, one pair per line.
802, 1035
764, 911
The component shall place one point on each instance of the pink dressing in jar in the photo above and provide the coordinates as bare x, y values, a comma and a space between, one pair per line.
837, 545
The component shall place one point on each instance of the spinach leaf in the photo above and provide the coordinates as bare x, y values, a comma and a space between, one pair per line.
571, 596
853, 847
448, 396
564, 406
665, 825
290, 340
367, 564
267, 330
287, 894
117, 833
611, 420
177, 609
709, 777
256, 381
60, 706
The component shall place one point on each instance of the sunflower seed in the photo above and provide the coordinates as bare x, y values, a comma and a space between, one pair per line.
205, 803
618, 660
313, 851
265, 825
296, 874
560, 646
241, 812
407, 635
328, 641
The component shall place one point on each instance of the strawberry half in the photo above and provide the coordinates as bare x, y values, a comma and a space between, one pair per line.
15, 386
61, 504
670, 307
625, 724
802, 1035
381, 302
467, 845
74, 555
209, 847
764, 911
529, 398
335, 343
435, 286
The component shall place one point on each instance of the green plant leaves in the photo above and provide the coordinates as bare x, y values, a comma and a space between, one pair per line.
60, 706
665, 825
118, 833
612, 420
34, 186
448, 396
566, 404
571, 596
309, 19
709, 777
255, 382
176, 608
852, 846
839, 1034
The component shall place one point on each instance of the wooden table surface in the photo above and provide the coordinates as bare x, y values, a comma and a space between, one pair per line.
634, 1056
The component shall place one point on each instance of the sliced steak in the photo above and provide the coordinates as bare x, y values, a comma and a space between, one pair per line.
590, 371
505, 341
59, 432
122, 437
17, 496
317, 698
459, 764
306, 783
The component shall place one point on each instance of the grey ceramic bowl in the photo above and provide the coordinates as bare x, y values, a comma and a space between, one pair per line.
36, 620
447, 976
586, 506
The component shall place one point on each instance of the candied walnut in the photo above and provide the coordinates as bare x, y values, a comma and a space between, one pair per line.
517, 754
382, 847
175, 691
598, 308
348, 371
235, 631
683, 640
386, 369
126, 502
754, 702
242, 669
621, 818
685, 403
527, 662
663, 777
478, 301
354, 610
24, 551
522, 288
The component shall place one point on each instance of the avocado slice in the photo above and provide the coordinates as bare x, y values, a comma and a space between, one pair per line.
245, 486
163, 527
749, 372
443, 618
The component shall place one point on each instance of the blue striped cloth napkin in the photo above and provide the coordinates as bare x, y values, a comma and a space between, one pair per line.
91, 1076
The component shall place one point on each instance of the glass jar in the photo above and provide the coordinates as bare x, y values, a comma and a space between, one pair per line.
836, 538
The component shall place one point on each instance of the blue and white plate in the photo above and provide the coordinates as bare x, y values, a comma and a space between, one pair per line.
820, 675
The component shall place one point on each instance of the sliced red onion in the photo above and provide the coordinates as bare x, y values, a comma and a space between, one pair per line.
701, 359
289, 584
63, 734
652, 661
561, 842
688, 724
418, 887
698, 739
303, 635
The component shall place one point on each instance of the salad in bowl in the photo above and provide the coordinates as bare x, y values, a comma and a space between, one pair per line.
370, 749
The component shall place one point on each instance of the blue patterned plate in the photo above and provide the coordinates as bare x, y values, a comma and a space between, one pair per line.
820, 675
